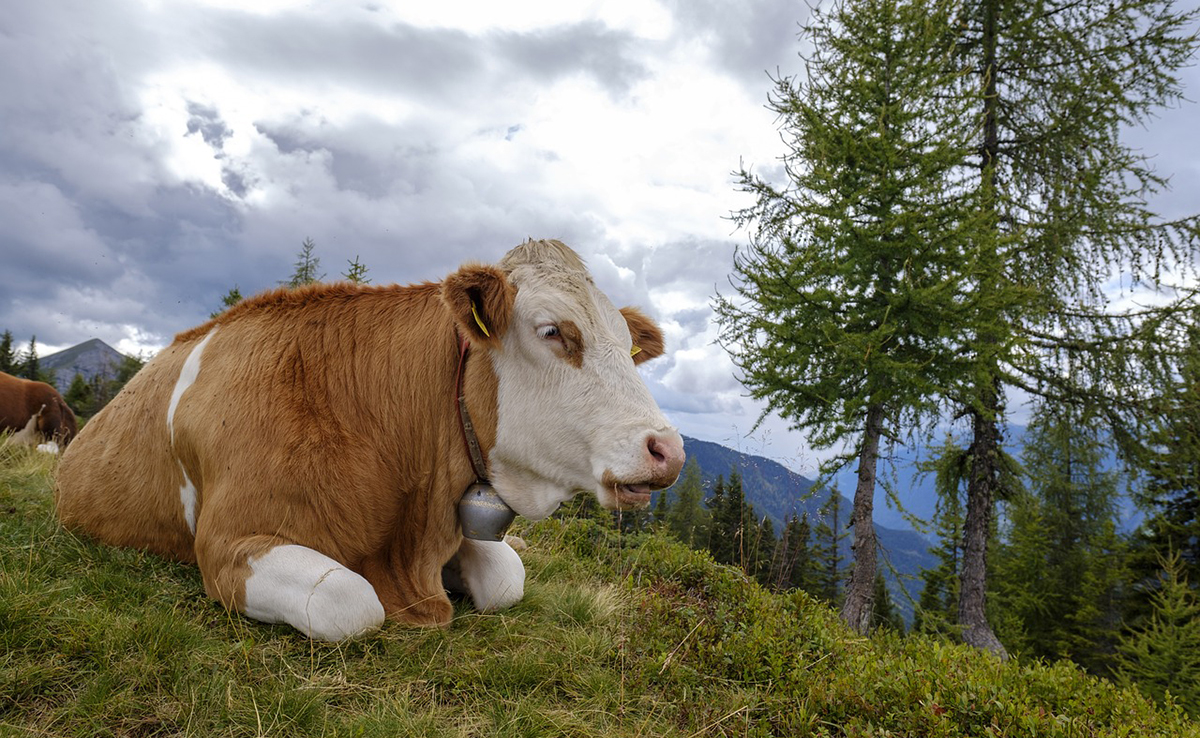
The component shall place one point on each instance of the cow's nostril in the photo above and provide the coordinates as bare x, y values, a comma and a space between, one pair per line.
656, 452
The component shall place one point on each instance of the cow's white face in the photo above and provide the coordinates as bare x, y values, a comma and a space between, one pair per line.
574, 415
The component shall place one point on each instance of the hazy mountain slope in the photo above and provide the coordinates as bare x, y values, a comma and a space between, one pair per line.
91, 359
777, 491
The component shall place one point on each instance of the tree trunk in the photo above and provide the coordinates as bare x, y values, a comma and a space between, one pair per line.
985, 446
859, 606
981, 495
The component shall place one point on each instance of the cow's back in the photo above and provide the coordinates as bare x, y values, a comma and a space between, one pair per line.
12, 403
16, 402
309, 416
118, 481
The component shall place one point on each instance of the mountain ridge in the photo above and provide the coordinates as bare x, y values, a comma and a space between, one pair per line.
91, 359
778, 492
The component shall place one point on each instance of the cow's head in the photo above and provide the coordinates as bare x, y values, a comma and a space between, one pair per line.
573, 413
57, 422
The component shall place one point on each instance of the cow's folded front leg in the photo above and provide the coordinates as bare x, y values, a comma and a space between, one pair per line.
276, 582
490, 572
410, 587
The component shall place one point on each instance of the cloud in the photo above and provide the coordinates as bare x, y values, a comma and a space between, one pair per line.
608, 56
206, 121
747, 39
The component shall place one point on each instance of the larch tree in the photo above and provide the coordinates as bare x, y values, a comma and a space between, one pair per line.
1064, 206
848, 301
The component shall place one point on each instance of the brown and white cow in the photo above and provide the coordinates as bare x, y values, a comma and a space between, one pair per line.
304, 447
24, 402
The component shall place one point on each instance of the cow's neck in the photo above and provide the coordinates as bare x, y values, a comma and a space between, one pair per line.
467, 428
482, 514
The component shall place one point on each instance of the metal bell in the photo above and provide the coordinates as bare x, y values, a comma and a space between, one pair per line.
483, 515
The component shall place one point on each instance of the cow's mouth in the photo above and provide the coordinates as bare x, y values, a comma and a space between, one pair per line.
632, 495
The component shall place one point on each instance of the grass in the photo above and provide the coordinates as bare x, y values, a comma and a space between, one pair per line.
615, 637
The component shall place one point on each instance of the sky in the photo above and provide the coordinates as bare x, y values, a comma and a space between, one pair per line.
154, 154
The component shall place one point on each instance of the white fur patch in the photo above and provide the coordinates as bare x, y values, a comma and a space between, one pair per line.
187, 377
311, 592
492, 573
28, 436
187, 496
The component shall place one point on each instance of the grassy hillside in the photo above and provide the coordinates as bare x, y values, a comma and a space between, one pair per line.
616, 637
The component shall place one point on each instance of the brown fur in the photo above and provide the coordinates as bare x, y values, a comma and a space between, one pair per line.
322, 416
646, 335
572, 343
488, 291
22, 399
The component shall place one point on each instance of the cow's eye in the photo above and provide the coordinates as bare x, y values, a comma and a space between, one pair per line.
547, 331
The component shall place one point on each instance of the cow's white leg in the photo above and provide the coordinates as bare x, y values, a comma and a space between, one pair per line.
492, 573
311, 592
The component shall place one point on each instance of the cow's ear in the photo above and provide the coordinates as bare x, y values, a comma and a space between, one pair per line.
647, 338
480, 299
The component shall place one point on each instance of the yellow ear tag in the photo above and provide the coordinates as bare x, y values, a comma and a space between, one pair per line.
479, 321
635, 350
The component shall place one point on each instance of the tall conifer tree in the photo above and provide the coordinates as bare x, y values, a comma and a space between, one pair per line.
1170, 492
1060, 565
687, 518
792, 566
719, 543
8, 355
1064, 206
231, 298
849, 291
30, 364
304, 271
1163, 654
1030, 106
356, 272
827, 556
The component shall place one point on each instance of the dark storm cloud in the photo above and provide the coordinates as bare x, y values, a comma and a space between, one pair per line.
206, 121
749, 39
431, 64
367, 156
589, 48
